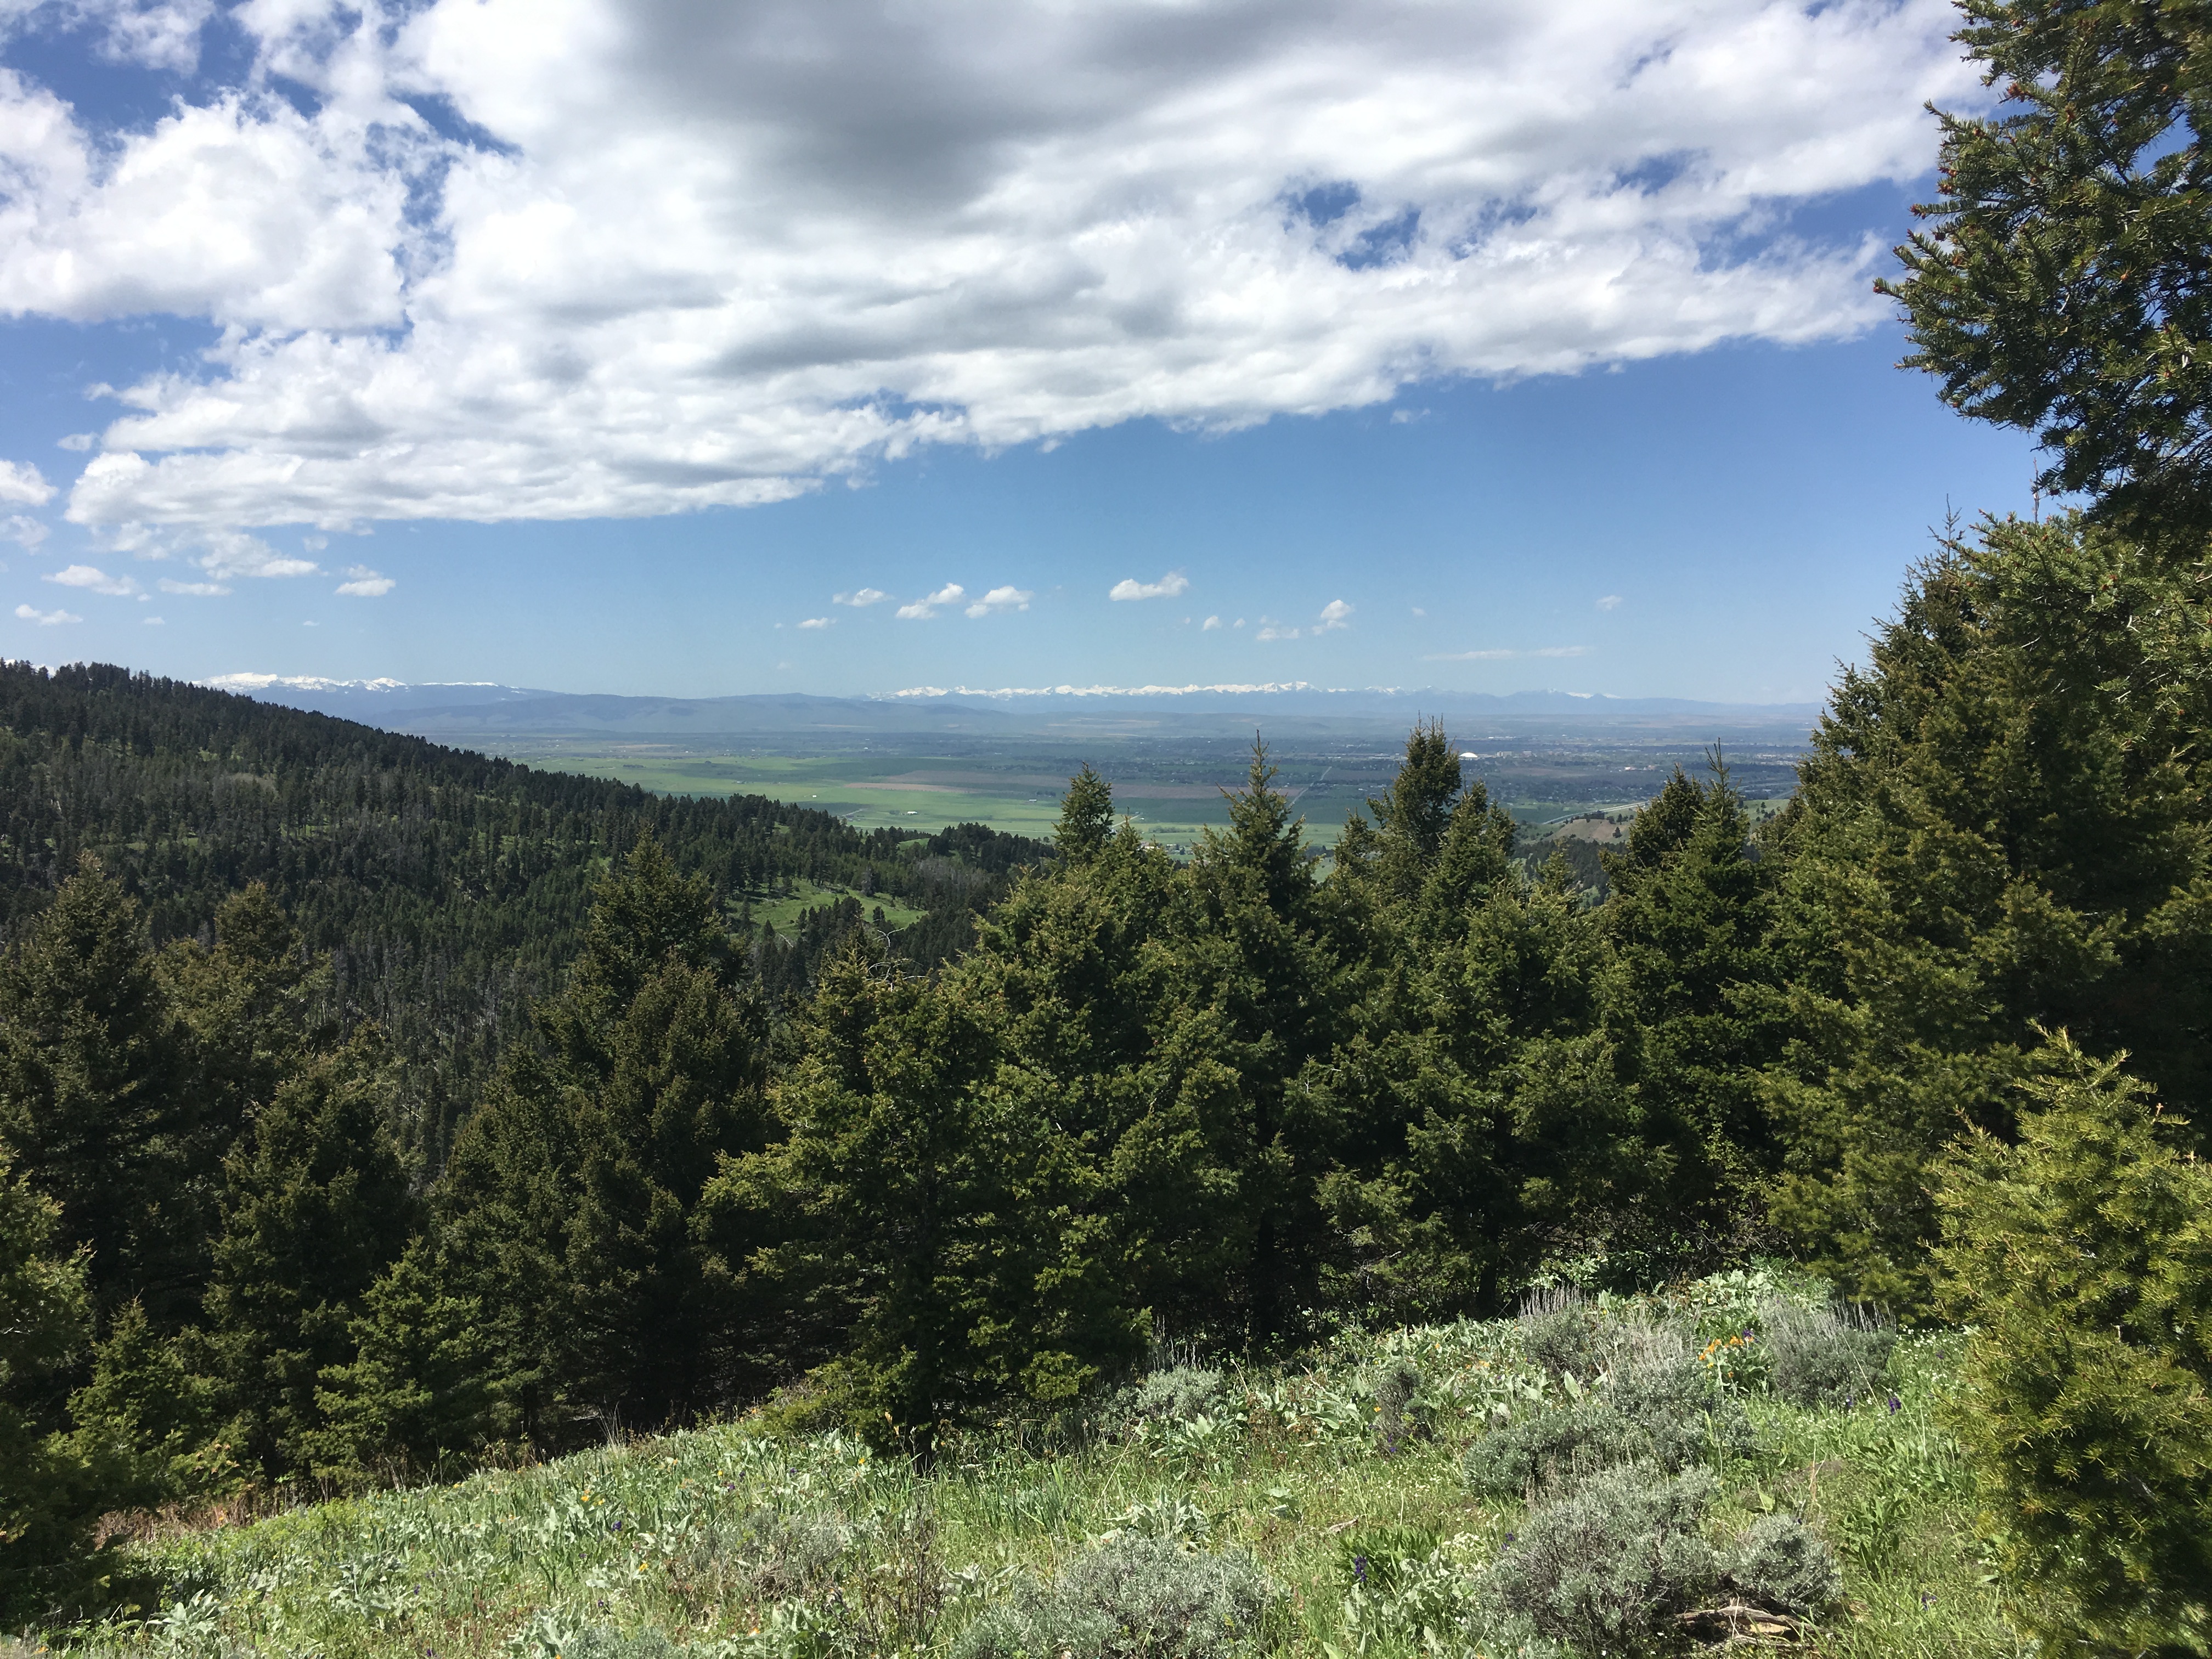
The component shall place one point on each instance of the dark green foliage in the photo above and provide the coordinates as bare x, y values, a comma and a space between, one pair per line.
2062, 285
572, 1203
1832, 1356
2002, 827
2082, 1258
49, 1492
1137, 1598
415, 1399
1609, 1567
448, 890
919, 1231
96, 1102
1780, 1564
151, 1415
1086, 819
317, 1206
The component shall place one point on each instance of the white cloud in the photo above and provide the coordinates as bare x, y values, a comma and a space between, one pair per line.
1275, 630
76, 441
198, 589
1209, 624
26, 532
314, 543
22, 482
1002, 598
94, 580
362, 583
1506, 656
1335, 614
46, 618
232, 553
686, 255
1610, 602
819, 621
923, 610
860, 598
1168, 587
155, 622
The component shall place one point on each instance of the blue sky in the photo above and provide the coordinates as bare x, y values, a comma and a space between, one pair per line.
368, 343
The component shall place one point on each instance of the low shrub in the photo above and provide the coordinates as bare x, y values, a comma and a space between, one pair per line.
1668, 1416
1611, 1567
1831, 1356
1399, 1416
1136, 1598
1177, 1394
1780, 1564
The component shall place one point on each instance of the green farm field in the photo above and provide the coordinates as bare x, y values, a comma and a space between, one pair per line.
923, 792
1171, 791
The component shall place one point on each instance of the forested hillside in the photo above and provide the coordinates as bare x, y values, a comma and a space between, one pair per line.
446, 889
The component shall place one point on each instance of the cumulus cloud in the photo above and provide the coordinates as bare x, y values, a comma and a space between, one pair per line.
1335, 614
94, 580
197, 590
1168, 587
1275, 630
155, 622
923, 610
1507, 656
1209, 624
860, 598
819, 621
21, 483
1610, 602
869, 228
46, 618
362, 583
1002, 598
26, 532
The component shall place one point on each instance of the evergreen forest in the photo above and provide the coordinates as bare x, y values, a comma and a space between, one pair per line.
374, 1116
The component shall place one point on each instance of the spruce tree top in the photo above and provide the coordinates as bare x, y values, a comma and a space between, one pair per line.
2064, 284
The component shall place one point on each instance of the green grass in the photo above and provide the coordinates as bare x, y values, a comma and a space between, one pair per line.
680, 1535
903, 790
792, 899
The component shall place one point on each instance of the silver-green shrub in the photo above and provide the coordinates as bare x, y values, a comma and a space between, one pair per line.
1779, 1562
1136, 1598
1828, 1355
1668, 1416
1610, 1567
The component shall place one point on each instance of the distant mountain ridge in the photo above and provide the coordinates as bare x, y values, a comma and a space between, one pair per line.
483, 706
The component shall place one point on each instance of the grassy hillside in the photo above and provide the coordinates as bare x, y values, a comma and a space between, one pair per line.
736, 1540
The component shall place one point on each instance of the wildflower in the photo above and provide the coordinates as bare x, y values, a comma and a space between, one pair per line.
1359, 1567
1895, 1405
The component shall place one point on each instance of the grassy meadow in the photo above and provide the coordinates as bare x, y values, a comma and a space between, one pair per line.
1350, 1501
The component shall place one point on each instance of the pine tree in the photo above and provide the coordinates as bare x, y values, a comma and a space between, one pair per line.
251, 1008
570, 1203
94, 1099
316, 1206
49, 1492
906, 1222
2081, 1257
414, 1400
1689, 919
1086, 817
2063, 287
2001, 827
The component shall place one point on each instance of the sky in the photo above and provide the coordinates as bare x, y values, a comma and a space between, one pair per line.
663, 346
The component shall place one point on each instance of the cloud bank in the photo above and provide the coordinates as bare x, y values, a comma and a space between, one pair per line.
497, 259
